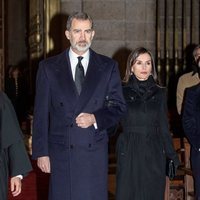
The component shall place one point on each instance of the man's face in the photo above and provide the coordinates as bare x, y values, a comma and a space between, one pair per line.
80, 35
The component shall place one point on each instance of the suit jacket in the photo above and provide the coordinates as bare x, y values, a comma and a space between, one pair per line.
191, 116
80, 154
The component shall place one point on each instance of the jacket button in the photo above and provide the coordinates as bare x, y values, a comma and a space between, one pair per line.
71, 125
71, 146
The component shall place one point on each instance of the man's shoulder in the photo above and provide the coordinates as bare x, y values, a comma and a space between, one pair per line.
186, 75
101, 57
194, 88
54, 59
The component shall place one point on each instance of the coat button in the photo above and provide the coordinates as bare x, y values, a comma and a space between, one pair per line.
71, 146
71, 125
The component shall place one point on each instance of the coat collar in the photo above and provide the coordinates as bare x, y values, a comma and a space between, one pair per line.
151, 87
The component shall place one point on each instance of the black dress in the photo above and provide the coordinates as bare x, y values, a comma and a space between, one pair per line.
13, 157
144, 144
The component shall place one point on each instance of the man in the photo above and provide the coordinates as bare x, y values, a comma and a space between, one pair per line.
187, 80
191, 126
14, 161
71, 118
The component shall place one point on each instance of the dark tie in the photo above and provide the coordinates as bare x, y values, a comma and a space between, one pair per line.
79, 74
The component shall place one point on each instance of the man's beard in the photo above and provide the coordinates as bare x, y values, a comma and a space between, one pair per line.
81, 48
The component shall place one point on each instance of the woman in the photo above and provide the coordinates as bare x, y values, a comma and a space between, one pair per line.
14, 161
145, 143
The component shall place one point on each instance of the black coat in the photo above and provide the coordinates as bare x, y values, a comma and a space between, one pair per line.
13, 157
78, 156
191, 126
144, 144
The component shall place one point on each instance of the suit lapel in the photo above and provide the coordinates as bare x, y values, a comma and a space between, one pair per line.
93, 75
64, 75
68, 87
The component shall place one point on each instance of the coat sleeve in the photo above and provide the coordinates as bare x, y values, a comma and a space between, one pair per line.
179, 95
12, 141
164, 126
114, 106
18, 159
190, 118
41, 115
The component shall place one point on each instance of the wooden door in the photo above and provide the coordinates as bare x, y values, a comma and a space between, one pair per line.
41, 13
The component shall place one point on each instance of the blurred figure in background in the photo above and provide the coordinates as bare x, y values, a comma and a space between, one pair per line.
16, 87
187, 80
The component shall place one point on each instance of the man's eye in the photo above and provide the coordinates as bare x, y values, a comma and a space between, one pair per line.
88, 31
76, 31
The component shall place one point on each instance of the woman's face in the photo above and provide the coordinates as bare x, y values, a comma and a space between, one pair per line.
142, 67
197, 57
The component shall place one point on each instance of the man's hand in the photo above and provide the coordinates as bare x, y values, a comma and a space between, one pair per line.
44, 164
84, 120
15, 185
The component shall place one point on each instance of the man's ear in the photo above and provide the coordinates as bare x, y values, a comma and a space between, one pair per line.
93, 33
67, 34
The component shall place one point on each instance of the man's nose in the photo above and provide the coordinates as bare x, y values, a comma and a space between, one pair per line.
82, 35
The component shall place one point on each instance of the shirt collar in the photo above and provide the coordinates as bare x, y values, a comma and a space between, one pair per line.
73, 55
73, 61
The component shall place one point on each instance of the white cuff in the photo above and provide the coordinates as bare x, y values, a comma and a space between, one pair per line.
19, 176
95, 126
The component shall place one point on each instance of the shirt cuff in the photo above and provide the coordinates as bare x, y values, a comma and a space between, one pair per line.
95, 126
19, 176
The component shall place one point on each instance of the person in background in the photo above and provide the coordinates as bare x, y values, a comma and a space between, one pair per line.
145, 141
16, 88
78, 97
14, 161
188, 80
191, 127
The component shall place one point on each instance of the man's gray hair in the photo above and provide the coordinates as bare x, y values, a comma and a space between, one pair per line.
79, 16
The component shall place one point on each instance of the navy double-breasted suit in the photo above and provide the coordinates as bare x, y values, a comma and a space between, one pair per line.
78, 156
191, 126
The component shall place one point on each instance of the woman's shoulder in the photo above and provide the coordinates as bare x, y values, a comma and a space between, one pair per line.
160, 88
159, 91
3, 96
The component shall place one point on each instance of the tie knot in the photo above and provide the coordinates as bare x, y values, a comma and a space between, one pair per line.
80, 58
